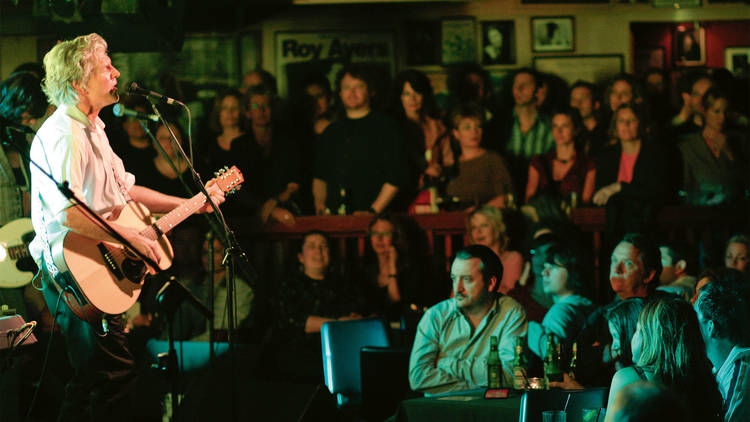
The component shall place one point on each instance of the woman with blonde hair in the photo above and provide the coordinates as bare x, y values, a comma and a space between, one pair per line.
485, 226
668, 349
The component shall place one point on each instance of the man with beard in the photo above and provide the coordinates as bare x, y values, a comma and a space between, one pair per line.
452, 343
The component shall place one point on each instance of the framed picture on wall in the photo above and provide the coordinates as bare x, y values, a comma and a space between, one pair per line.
458, 40
737, 60
690, 46
498, 42
552, 33
594, 68
422, 42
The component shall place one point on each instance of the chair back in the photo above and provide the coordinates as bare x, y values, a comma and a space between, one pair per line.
341, 342
534, 402
385, 380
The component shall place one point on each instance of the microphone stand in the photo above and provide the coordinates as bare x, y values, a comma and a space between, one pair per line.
232, 252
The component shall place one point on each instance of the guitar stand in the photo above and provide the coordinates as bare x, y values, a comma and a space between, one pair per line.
168, 299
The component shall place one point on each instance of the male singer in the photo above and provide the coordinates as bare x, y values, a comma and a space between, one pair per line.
80, 81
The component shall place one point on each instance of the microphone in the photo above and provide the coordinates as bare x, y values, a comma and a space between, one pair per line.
18, 127
119, 110
137, 90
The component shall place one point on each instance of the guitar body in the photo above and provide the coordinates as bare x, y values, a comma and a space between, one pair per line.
103, 277
17, 268
106, 278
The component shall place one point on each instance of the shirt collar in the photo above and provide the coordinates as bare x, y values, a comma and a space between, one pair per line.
491, 312
76, 114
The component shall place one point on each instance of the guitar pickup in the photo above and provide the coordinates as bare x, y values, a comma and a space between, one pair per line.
109, 261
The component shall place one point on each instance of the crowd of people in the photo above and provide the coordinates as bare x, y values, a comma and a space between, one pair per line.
351, 149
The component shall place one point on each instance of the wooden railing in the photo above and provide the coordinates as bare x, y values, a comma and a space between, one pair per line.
445, 232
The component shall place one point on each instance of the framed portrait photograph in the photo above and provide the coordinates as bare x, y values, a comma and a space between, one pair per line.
552, 33
498, 42
458, 40
737, 60
690, 46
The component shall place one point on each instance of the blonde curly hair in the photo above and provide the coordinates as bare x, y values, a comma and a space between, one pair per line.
68, 62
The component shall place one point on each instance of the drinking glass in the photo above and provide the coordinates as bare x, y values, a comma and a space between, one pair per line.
553, 416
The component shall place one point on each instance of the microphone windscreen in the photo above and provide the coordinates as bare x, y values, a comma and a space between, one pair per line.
118, 110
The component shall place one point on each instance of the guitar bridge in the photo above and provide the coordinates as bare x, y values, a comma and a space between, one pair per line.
109, 261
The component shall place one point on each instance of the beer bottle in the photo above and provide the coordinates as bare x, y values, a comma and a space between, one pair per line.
342, 202
494, 365
573, 360
551, 361
519, 367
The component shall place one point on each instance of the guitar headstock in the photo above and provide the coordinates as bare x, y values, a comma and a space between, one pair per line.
229, 180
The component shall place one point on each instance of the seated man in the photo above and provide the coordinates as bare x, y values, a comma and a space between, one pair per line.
723, 312
452, 343
634, 269
676, 264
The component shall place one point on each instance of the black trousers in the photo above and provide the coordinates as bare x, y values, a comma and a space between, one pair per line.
103, 383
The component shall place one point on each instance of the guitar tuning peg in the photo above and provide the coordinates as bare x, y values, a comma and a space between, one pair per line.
216, 174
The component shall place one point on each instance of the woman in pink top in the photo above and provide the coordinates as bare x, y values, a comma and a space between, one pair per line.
485, 226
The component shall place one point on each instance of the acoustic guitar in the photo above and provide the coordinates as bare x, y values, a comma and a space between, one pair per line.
101, 277
17, 268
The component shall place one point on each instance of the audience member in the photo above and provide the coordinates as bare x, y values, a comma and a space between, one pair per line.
485, 226
563, 280
192, 325
712, 169
668, 349
692, 87
132, 143
231, 145
361, 161
276, 175
634, 270
482, 178
21, 102
312, 112
452, 342
584, 98
163, 173
645, 401
397, 282
306, 300
621, 90
527, 131
427, 141
258, 77
677, 264
710, 275
723, 317
563, 171
622, 320
629, 175
735, 253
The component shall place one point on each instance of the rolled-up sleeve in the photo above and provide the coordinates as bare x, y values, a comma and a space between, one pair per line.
426, 368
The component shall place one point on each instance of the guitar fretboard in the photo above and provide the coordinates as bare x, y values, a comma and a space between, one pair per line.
176, 216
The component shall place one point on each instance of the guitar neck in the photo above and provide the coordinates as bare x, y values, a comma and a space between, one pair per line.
176, 216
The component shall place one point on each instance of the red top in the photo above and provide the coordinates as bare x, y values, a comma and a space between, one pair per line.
627, 164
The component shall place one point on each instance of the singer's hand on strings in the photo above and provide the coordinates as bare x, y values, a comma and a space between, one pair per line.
216, 194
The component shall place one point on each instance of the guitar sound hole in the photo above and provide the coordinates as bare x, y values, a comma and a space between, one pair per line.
133, 269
